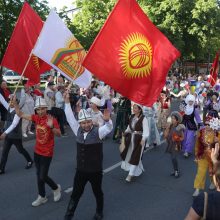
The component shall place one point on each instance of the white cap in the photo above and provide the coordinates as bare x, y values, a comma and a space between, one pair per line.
141, 106
84, 115
40, 103
95, 101
190, 97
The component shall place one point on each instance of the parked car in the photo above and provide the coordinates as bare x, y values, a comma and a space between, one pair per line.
11, 77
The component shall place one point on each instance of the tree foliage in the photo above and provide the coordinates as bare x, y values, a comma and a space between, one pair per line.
9, 12
193, 26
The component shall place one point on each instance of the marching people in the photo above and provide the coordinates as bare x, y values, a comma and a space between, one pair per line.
58, 110
122, 118
191, 114
135, 137
49, 96
174, 134
163, 110
212, 105
26, 105
96, 114
46, 128
12, 135
206, 139
89, 157
5, 92
151, 114
207, 205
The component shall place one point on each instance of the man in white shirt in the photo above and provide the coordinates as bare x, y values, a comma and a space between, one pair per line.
89, 157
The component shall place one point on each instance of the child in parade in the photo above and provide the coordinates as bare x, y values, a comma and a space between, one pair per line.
174, 134
206, 139
46, 128
190, 115
89, 168
136, 136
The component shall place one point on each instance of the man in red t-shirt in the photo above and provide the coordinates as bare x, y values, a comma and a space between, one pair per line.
46, 128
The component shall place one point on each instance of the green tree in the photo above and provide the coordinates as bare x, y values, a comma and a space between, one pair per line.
89, 19
193, 26
9, 12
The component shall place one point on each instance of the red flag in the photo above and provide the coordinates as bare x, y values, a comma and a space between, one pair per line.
131, 55
214, 70
22, 41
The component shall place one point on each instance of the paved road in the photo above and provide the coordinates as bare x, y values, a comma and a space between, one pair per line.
153, 196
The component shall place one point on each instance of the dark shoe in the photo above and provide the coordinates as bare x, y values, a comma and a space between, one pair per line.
29, 165
2, 172
71, 209
177, 174
68, 217
172, 174
98, 216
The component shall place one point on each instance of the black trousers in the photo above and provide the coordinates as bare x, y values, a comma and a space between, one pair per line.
59, 114
6, 148
80, 181
42, 165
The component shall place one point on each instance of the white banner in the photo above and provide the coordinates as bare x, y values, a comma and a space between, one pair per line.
58, 47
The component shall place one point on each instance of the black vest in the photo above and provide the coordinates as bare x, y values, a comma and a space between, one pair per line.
189, 122
89, 151
16, 133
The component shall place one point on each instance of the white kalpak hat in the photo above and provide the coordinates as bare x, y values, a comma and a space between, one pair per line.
84, 115
40, 103
95, 101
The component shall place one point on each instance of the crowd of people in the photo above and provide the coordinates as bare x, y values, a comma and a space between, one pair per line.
194, 129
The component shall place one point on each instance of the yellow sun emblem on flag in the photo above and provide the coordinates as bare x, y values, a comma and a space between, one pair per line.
136, 56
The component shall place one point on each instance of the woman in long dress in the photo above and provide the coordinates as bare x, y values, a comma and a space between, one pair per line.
136, 136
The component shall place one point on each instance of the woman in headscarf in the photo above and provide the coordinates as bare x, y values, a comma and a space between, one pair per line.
135, 135
191, 113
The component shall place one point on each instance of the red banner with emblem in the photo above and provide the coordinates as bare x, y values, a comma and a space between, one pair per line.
214, 70
131, 55
23, 39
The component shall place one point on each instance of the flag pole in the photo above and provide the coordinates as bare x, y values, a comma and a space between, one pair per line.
22, 74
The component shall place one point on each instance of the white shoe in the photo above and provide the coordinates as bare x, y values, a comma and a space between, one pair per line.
25, 135
196, 193
57, 194
30, 132
39, 201
128, 178
186, 154
212, 186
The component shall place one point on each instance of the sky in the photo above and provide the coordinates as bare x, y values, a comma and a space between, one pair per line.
60, 3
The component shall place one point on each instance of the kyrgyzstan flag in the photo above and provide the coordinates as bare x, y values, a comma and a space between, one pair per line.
22, 41
214, 70
131, 55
